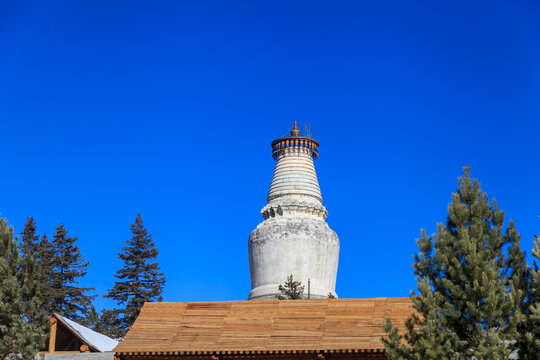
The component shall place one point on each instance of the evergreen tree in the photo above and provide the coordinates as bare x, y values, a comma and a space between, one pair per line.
92, 318
139, 281
111, 324
47, 265
290, 290
66, 266
529, 341
523, 282
23, 325
468, 277
41, 251
30, 241
106, 323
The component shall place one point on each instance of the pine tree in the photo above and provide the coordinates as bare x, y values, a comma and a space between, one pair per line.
523, 282
468, 277
66, 266
102, 323
139, 281
290, 290
40, 250
529, 341
29, 239
111, 324
47, 263
23, 325
92, 318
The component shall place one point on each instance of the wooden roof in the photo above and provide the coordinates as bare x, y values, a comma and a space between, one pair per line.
263, 326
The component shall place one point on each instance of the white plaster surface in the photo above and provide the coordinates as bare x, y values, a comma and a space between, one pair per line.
294, 237
295, 175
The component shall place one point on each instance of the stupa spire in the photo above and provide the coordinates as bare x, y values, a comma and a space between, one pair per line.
295, 132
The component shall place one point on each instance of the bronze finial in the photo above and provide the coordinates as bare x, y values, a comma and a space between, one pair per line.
295, 131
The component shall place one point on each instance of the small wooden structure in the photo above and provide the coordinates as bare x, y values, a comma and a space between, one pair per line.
67, 336
266, 329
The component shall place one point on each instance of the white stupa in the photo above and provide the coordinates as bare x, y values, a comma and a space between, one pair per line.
294, 238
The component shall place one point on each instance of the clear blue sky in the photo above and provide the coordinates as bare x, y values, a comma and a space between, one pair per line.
168, 108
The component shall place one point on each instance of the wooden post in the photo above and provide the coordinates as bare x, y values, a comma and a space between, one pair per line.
52, 337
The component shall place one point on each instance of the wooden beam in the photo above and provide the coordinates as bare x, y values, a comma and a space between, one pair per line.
52, 337
84, 348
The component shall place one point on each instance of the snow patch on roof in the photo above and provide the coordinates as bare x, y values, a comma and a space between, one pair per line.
96, 340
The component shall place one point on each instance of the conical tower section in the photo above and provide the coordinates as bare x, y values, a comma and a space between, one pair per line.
294, 238
295, 171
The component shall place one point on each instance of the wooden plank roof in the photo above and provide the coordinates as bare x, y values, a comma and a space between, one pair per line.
263, 326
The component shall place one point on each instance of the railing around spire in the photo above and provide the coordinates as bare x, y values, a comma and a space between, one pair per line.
295, 142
